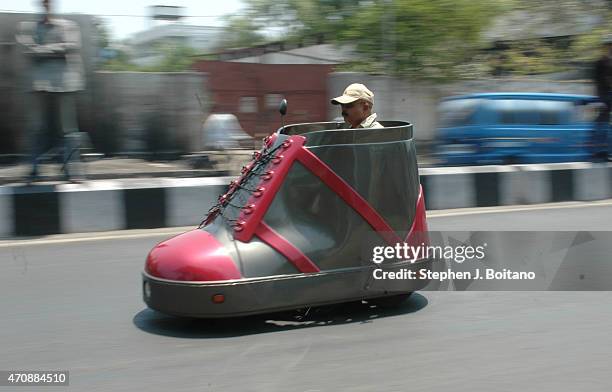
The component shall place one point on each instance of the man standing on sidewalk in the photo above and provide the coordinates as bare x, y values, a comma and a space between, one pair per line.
53, 46
602, 76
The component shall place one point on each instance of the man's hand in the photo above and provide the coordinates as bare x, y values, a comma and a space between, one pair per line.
72, 42
45, 51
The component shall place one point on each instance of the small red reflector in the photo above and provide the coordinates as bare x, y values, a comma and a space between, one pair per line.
218, 298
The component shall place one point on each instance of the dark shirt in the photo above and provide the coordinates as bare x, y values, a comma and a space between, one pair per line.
602, 76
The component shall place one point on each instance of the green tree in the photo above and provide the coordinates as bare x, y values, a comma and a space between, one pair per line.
175, 58
121, 62
428, 39
416, 38
559, 35
303, 18
241, 31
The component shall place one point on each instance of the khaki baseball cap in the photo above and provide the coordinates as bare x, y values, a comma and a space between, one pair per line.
352, 93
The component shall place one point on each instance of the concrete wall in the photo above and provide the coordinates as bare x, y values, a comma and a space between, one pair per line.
149, 111
121, 111
416, 102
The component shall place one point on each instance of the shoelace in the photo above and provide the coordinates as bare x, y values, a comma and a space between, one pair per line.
255, 168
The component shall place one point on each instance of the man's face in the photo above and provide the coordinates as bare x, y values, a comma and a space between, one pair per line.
355, 112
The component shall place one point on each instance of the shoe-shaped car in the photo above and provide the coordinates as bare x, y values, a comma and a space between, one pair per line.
298, 228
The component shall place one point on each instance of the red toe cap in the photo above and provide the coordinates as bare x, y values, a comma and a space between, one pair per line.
192, 256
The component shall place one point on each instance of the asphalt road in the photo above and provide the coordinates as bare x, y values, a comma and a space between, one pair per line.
74, 303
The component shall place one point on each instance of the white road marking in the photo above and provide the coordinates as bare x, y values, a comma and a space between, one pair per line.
100, 236
504, 209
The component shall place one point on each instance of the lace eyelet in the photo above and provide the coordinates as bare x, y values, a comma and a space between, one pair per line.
267, 175
249, 209
287, 143
259, 192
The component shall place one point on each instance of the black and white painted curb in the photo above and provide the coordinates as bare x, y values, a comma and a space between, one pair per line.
165, 202
486, 186
107, 205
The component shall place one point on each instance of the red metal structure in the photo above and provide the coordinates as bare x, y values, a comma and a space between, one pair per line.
236, 86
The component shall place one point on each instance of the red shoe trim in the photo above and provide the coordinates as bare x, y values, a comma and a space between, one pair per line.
261, 200
251, 221
418, 231
284, 247
348, 194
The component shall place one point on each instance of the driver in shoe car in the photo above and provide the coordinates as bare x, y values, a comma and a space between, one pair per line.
356, 103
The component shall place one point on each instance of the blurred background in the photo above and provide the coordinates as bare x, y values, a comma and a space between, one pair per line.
177, 95
190, 86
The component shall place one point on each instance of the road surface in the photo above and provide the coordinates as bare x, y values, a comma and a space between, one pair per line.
74, 303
